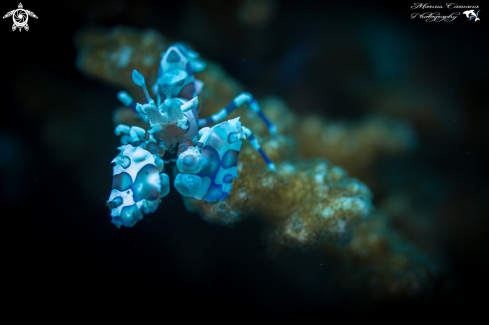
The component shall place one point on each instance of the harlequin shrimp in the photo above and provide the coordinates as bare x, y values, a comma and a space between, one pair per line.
206, 157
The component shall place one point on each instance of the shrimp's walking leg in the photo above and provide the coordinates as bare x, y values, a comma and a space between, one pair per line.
237, 102
256, 145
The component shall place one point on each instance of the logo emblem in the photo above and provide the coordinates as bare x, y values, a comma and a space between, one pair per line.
471, 15
20, 17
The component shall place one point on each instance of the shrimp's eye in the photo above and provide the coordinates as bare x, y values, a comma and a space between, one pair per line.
190, 161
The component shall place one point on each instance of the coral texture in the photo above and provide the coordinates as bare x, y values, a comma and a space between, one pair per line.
383, 266
306, 204
355, 146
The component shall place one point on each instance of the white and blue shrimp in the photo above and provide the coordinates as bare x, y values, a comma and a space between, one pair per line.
206, 157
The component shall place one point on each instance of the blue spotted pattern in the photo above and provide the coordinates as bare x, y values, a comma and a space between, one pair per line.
122, 182
189, 70
144, 186
129, 216
209, 169
230, 158
233, 137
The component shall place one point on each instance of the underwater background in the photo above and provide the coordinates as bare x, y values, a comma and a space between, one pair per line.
350, 69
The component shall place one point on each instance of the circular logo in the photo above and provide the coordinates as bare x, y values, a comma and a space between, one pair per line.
20, 17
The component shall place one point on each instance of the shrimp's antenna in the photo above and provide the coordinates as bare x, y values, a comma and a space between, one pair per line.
138, 79
190, 104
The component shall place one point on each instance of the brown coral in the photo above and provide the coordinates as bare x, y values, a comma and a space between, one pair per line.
306, 204
112, 55
382, 265
355, 146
